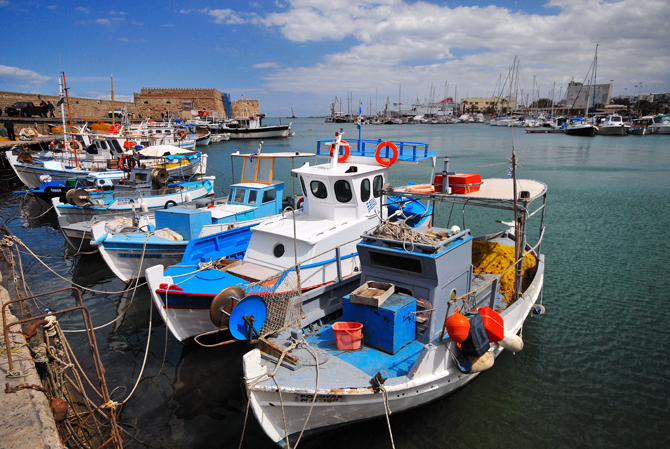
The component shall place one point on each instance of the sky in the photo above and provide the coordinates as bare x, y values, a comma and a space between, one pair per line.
302, 54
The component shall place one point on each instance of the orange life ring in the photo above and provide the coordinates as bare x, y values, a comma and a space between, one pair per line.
384, 162
75, 146
421, 188
347, 148
127, 163
114, 129
301, 200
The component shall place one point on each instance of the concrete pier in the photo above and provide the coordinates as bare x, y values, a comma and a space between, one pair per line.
26, 420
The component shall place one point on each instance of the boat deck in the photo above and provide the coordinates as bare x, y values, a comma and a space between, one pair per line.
342, 369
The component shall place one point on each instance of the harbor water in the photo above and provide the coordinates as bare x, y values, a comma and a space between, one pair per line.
592, 373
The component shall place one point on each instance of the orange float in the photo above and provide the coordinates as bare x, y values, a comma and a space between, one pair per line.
458, 327
385, 162
347, 148
493, 323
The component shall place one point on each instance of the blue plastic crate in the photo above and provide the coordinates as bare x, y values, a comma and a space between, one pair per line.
187, 222
388, 327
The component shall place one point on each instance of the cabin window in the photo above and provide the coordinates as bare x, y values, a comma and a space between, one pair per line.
377, 184
253, 194
239, 195
278, 250
115, 144
386, 260
365, 190
269, 195
302, 184
103, 144
319, 189
343, 191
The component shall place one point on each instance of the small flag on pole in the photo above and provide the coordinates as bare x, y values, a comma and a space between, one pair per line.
60, 101
509, 172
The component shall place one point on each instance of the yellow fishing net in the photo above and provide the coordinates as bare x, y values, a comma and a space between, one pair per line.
494, 258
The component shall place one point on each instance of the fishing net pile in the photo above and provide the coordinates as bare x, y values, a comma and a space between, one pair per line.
494, 258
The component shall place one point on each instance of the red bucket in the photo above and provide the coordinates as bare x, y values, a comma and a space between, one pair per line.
348, 335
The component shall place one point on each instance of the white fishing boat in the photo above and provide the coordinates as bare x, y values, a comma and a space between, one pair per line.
341, 202
401, 342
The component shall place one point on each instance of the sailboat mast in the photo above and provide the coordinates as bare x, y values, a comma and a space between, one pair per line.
113, 110
595, 69
69, 114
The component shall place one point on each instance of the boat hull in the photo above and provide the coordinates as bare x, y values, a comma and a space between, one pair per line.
581, 131
433, 375
612, 130
264, 132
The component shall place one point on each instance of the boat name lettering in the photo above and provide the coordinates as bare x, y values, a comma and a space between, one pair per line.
319, 398
126, 200
139, 256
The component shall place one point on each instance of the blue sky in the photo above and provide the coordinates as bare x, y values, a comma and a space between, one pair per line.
301, 54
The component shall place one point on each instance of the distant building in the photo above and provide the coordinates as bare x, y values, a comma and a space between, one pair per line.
486, 104
187, 102
579, 96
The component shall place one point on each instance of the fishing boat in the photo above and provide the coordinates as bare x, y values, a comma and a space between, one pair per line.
580, 127
341, 202
102, 155
432, 311
144, 189
163, 237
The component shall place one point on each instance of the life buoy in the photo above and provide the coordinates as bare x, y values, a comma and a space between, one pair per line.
421, 188
127, 163
385, 162
347, 148
301, 200
56, 145
114, 129
75, 146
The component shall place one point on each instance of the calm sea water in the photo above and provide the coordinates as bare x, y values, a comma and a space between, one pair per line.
594, 369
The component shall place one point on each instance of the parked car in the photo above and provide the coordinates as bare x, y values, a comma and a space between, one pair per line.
26, 109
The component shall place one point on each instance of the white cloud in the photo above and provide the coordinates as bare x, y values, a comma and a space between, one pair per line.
266, 65
414, 44
21, 77
185, 11
103, 21
4, 2
82, 9
228, 16
52, 7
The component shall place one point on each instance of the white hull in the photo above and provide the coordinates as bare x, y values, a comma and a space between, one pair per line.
125, 263
434, 376
122, 205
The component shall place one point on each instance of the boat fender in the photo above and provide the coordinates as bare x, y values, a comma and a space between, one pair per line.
421, 188
512, 342
457, 326
151, 227
538, 309
169, 203
482, 363
99, 240
143, 206
188, 197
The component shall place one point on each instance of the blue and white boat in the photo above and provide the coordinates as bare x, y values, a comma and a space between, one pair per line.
402, 350
312, 251
162, 239
143, 190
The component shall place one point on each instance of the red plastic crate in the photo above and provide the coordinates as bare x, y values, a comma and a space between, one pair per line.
463, 183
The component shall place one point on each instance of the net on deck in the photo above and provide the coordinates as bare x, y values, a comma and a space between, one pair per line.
283, 298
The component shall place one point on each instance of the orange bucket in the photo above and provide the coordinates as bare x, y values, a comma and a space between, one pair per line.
348, 335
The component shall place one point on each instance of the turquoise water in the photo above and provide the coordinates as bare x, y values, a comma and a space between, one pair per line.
594, 369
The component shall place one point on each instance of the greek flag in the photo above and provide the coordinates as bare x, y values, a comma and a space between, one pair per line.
509, 172
371, 204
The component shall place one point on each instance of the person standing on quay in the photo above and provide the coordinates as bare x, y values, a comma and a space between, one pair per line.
10, 130
50, 108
